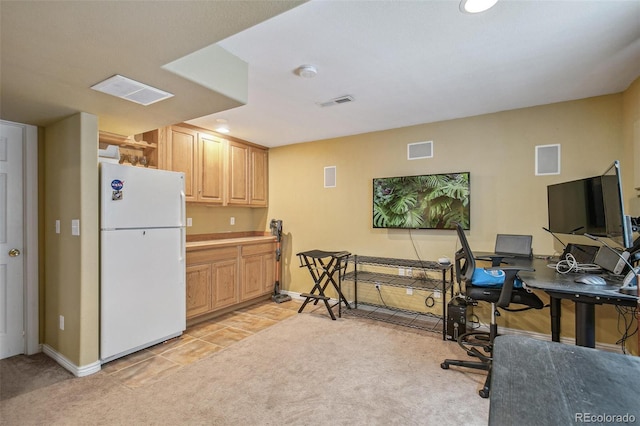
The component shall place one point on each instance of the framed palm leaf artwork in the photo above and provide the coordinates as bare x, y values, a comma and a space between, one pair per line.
435, 201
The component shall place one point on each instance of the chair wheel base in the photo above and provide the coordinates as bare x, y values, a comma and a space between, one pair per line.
484, 393
444, 366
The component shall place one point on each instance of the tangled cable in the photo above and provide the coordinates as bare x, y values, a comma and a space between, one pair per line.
570, 264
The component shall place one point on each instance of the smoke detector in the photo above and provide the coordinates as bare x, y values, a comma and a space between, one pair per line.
306, 71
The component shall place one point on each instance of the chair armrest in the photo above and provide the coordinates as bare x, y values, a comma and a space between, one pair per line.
507, 288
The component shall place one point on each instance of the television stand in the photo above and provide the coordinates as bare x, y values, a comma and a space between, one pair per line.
378, 284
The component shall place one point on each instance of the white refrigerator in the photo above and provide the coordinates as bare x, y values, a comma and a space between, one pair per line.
142, 258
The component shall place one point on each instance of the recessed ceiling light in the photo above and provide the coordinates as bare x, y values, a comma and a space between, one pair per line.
131, 90
476, 6
221, 126
306, 71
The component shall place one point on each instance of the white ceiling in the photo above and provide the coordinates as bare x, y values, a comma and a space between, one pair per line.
404, 62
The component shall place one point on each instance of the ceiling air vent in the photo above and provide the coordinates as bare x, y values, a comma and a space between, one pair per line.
131, 90
341, 100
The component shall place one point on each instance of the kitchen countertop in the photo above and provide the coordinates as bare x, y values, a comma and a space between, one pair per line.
224, 242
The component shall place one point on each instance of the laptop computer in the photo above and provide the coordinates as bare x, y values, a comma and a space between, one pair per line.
514, 245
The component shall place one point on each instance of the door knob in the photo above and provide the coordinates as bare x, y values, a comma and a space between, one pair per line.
14, 252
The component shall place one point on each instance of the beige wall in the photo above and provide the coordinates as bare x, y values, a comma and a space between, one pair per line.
71, 262
631, 139
506, 196
216, 219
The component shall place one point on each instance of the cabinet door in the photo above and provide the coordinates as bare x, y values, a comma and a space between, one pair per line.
238, 189
181, 155
259, 177
198, 290
253, 277
225, 283
270, 272
210, 181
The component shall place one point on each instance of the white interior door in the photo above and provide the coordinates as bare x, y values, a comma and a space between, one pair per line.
11, 241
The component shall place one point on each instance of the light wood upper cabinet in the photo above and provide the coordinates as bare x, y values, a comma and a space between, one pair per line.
238, 189
218, 170
201, 157
210, 168
248, 175
182, 146
259, 163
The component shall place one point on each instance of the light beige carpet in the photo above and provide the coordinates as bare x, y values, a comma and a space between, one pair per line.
305, 370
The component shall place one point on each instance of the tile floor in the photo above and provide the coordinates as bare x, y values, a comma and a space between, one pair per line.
198, 342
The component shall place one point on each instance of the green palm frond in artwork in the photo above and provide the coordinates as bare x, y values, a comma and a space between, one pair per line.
429, 201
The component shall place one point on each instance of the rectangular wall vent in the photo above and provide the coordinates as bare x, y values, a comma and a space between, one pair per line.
337, 101
547, 160
420, 150
330, 177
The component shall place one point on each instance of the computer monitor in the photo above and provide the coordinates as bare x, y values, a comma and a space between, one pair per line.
617, 224
576, 207
593, 205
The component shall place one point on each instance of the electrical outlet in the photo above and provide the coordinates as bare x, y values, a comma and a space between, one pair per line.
408, 272
401, 272
57, 226
377, 286
232, 221
409, 291
189, 221
61, 322
436, 294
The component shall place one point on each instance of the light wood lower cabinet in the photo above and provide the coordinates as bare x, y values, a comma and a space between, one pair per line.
258, 270
221, 277
224, 283
198, 289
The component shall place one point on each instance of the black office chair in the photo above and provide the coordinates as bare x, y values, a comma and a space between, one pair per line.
497, 285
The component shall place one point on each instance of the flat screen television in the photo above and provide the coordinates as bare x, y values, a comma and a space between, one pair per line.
593, 205
434, 201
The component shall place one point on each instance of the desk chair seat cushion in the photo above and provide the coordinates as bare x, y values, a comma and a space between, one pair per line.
493, 278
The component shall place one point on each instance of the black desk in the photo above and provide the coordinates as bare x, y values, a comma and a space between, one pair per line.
562, 286
538, 382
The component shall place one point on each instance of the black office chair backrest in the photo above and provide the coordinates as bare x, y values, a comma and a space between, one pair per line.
465, 263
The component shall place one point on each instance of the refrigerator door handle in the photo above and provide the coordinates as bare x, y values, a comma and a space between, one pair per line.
183, 244
183, 224
183, 208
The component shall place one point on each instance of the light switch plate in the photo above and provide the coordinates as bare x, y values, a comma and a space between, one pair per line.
75, 227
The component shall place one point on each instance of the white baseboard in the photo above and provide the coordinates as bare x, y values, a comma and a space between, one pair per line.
77, 371
293, 294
